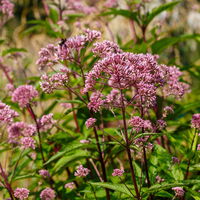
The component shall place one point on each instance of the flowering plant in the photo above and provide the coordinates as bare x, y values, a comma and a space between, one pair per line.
103, 118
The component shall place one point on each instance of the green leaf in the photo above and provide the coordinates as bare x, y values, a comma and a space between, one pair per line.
165, 186
71, 101
54, 15
68, 149
160, 45
156, 11
122, 12
2, 41
13, 50
67, 160
25, 176
116, 187
50, 108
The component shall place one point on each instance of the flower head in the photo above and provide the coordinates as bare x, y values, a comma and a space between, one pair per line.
44, 173
46, 122
28, 142
48, 56
81, 171
196, 121
24, 94
117, 172
56, 81
96, 101
47, 194
138, 123
179, 192
21, 193
6, 7
18, 129
6, 113
70, 185
90, 122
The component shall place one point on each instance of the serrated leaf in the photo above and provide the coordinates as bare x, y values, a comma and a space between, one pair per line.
67, 160
68, 149
124, 13
156, 11
160, 45
116, 187
54, 15
13, 50
165, 186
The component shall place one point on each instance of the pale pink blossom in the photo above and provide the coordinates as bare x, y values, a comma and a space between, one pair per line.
46, 122
81, 171
70, 185
48, 56
118, 172
159, 179
53, 82
44, 173
198, 147
7, 8
138, 124
24, 94
6, 113
96, 101
84, 141
28, 142
21, 193
18, 129
90, 122
179, 192
47, 194
196, 121
111, 3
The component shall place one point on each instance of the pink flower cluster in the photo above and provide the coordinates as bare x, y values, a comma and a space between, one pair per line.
73, 45
111, 3
27, 142
56, 81
6, 7
138, 124
196, 121
118, 172
90, 122
6, 113
179, 192
81, 171
198, 147
46, 122
21, 193
70, 185
47, 194
44, 173
24, 94
159, 179
173, 86
20, 129
48, 56
114, 99
139, 71
96, 101
102, 49
24, 131
80, 6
